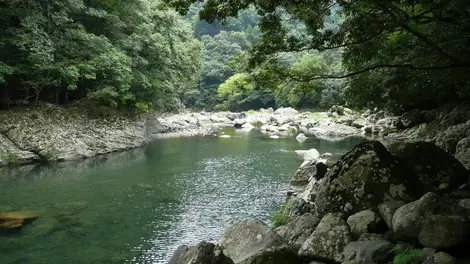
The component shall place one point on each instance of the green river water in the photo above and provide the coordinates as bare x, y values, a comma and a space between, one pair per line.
140, 205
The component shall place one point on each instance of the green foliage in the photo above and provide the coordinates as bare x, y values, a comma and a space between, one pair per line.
280, 217
395, 54
405, 255
120, 53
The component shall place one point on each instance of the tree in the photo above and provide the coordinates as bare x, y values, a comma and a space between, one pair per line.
408, 53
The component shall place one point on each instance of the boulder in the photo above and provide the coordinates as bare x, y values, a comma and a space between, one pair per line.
371, 237
366, 221
327, 129
428, 219
346, 120
338, 109
462, 152
387, 210
301, 137
233, 116
310, 155
238, 123
359, 123
411, 119
274, 255
444, 231
444, 258
248, 238
378, 251
465, 203
203, 253
449, 138
328, 240
299, 229
286, 111
436, 170
364, 177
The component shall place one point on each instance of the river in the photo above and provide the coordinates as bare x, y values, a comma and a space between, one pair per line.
138, 206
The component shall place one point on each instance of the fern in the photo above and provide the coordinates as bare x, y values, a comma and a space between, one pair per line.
405, 255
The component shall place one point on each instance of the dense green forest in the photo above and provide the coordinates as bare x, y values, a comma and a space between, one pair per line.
235, 55
395, 54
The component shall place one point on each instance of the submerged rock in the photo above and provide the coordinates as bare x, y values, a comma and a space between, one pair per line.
14, 220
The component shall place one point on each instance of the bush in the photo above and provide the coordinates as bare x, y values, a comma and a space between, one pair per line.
280, 218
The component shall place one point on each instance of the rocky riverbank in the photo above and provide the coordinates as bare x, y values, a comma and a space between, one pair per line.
376, 204
51, 133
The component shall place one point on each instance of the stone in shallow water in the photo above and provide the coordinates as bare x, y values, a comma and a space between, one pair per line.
25, 215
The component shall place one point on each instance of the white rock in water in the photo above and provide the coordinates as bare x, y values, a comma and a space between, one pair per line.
225, 136
274, 136
301, 137
247, 126
311, 154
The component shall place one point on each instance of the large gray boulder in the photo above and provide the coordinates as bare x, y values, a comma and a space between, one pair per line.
449, 138
364, 177
437, 222
462, 152
299, 229
366, 221
248, 238
327, 129
286, 111
387, 210
203, 253
378, 251
411, 119
436, 170
328, 240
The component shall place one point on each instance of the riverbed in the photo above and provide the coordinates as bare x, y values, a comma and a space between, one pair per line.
138, 206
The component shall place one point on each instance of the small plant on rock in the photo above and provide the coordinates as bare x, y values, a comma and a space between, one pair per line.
280, 218
405, 255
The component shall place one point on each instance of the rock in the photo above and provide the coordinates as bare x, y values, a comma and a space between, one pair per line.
444, 258
364, 177
366, 221
301, 137
274, 255
247, 126
449, 138
348, 111
359, 123
299, 229
248, 238
286, 111
328, 240
203, 253
12, 154
370, 237
441, 231
233, 116
310, 155
411, 119
11, 224
462, 152
387, 210
204, 121
327, 130
326, 155
465, 203
338, 109
421, 218
437, 171
238, 123
345, 120
378, 251
18, 215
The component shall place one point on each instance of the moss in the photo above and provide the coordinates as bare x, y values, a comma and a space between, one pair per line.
292, 130
9, 157
252, 112
257, 124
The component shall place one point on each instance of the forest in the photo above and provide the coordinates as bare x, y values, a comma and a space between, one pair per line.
235, 55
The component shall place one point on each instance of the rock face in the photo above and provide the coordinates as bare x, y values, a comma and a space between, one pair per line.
328, 240
364, 177
366, 221
437, 222
378, 251
247, 239
437, 171
411, 119
462, 152
203, 253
